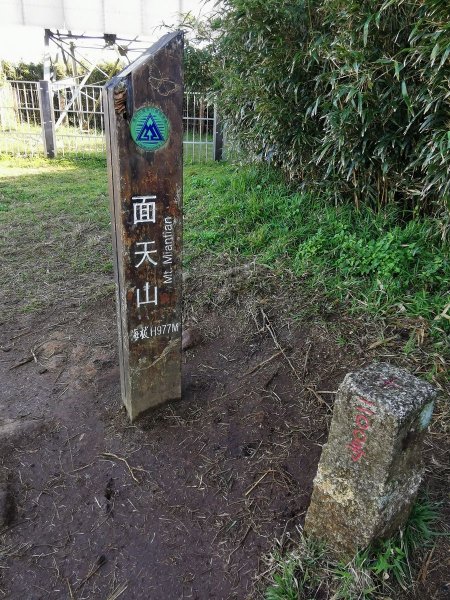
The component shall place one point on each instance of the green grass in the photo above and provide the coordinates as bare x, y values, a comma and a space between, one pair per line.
308, 567
54, 217
297, 575
381, 262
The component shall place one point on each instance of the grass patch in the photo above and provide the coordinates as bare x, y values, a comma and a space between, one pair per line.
56, 230
381, 262
307, 571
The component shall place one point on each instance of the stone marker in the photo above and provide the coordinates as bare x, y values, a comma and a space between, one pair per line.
371, 466
144, 133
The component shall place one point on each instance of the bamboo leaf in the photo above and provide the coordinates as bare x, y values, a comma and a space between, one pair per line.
434, 53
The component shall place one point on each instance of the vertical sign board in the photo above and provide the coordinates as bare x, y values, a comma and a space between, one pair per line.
144, 131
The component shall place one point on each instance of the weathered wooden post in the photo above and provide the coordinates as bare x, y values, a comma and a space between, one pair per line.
371, 466
144, 132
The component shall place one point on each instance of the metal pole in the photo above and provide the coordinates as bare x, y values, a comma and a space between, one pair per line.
77, 91
47, 66
47, 118
217, 136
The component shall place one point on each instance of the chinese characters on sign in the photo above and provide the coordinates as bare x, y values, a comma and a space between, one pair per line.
144, 211
148, 331
146, 254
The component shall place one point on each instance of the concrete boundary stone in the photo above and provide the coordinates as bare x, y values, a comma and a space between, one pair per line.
371, 467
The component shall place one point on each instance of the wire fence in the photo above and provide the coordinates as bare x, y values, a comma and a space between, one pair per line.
79, 121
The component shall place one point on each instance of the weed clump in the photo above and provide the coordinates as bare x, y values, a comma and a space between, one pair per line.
308, 571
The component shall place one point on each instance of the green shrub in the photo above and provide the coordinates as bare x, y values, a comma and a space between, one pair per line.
350, 95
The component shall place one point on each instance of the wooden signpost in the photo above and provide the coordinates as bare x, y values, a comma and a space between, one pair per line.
144, 132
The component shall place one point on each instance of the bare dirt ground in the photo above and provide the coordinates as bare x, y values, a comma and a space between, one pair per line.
186, 502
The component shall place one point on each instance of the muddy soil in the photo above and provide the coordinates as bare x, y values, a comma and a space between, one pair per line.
185, 502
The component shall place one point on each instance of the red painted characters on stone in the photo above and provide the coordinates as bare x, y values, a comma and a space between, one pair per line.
362, 422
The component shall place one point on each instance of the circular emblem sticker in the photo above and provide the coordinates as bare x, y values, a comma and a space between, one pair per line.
149, 128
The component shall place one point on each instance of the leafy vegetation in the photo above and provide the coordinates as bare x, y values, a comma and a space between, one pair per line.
23, 71
197, 68
346, 96
308, 568
370, 258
